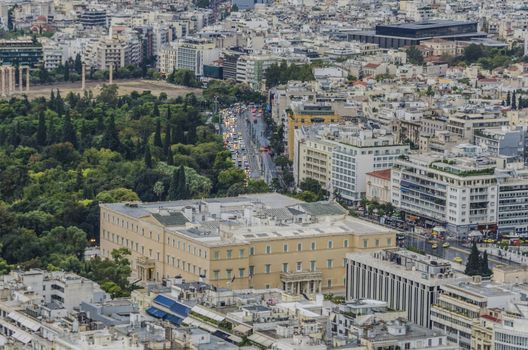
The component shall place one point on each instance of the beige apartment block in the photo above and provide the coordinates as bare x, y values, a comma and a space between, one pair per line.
313, 160
252, 241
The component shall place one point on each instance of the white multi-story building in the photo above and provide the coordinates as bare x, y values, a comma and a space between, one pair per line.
341, 156
360, 152
189, 54
251, 69
66, 290
513, 200
118, 51
511, 334
457, 191
405, 280
53, 57
459, 305
161, 38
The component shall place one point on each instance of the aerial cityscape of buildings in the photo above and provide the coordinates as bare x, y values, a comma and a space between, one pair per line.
385, 144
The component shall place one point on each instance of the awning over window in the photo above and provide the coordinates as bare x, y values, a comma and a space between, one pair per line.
24, 321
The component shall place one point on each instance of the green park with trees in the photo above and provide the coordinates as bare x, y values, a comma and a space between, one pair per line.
61, 156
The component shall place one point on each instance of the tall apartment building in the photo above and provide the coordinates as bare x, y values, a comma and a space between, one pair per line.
359, 152
341, 156
119, 50
312, 158
457, 191
405, 280
512, 203
188, 54
251, 69
230, 58
264, 241
460, 305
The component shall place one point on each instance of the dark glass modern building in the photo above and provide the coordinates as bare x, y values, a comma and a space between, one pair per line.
93, 18
406, 34
20, 52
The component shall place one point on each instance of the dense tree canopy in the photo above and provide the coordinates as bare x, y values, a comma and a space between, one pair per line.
184, 77
62, 156
281, 73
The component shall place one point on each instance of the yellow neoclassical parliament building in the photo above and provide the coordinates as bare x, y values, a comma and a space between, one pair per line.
251, 241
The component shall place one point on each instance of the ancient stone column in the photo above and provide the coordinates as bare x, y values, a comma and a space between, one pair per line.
3, 80
12, 80
111, 71
28, 76
20, 81
83, 77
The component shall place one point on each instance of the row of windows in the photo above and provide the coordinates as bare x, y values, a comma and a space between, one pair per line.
268, 249
268, 268
511, 339
181, 245
187, 267
135, 228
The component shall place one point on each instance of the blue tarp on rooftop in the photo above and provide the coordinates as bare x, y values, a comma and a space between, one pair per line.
156, 312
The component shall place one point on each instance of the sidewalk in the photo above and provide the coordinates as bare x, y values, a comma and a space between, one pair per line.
511, 254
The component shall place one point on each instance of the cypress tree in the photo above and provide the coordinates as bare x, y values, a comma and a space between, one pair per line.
111, 136
85, 137
191, 136
170, 159
167, 143
182, 184
53, 133
59, 104
14, 135
155, 111
79, 181
68, 131
157, 135
148, 157
169, 114
67, 71
52, 100
473, 263
178, 185
100, 123
78, 63
178, 136
484, 265
41, 130
508, 99
514, 101
173, 186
